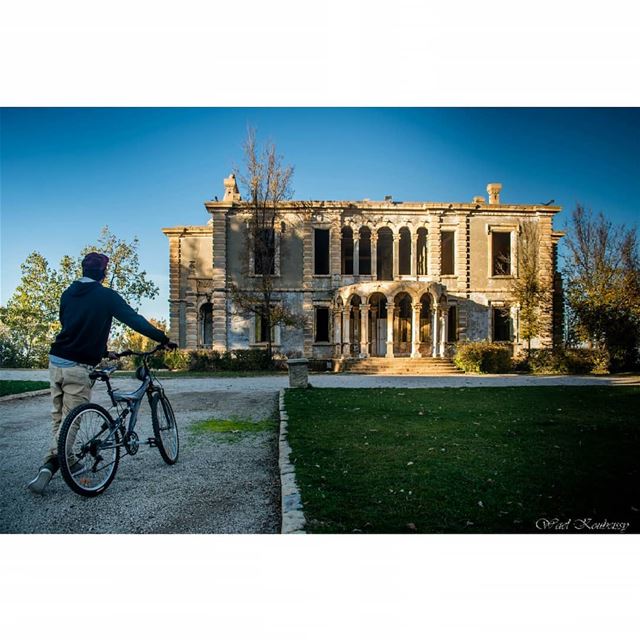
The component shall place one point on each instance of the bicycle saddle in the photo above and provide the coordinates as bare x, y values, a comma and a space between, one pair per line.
102, 374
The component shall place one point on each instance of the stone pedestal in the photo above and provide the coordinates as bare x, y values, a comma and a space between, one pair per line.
298, 373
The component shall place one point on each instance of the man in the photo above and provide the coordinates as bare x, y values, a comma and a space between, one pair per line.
86, 312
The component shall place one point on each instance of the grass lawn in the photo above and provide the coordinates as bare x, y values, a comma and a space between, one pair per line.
465, 460
9, 387
234, 425
233, 429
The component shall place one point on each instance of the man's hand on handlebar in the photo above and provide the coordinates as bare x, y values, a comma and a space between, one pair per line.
113, 355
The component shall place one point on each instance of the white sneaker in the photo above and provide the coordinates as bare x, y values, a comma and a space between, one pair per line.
38, 484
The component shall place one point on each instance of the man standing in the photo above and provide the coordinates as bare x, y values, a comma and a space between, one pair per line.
86, 312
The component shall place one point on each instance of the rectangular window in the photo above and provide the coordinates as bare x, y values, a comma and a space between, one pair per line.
261, 332
322, 324
501, 325
452, 324
321, 252
264, 256
501, 253
447, 242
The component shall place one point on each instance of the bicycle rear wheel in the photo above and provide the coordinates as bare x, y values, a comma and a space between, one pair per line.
165, 428
88, 449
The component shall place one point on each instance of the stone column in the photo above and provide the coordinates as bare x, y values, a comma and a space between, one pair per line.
374, 328
219, 298
356, 253
337, 333
414, 255
415, 330
356, 329
390, 310
434, 332
364, 330
374, 255
396, 255
346, 340
443, 331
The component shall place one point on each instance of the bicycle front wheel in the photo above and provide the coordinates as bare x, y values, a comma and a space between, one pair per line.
88, 449
165, 428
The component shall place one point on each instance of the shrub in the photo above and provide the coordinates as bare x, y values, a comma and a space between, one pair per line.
176, 360
483, 357
10, 356
203, 360
236, 360
563, 361
251, 360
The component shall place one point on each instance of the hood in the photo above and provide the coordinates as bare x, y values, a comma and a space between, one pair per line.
78, 289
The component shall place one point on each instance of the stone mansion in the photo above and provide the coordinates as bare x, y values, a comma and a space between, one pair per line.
373, 279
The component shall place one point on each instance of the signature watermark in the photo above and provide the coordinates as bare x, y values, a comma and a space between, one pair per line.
580, 524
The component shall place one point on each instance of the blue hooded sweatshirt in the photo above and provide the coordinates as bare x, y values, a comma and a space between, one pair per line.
86, 312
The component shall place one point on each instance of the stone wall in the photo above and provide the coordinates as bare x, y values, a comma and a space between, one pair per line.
205, 260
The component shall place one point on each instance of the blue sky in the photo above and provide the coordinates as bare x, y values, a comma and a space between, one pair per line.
65, 173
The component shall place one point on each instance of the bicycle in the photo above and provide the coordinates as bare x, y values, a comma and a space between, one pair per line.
91, 439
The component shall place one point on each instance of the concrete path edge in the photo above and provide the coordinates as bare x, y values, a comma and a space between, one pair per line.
293, 519
26, 394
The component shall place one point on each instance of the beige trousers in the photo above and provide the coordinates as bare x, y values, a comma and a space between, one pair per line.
70, 386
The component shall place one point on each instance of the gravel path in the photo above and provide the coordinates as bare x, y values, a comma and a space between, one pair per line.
275, 383
221, 483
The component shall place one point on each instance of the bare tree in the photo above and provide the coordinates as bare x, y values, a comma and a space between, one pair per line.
527, 289
602, 272
267, 185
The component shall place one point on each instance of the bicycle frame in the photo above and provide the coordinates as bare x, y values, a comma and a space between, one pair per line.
133, 401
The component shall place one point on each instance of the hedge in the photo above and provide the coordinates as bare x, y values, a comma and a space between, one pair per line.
483, 357
563, 361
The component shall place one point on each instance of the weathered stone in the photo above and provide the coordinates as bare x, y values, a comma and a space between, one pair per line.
298, 373
206, 260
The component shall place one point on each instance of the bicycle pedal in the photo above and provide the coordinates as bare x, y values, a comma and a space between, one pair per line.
152, 442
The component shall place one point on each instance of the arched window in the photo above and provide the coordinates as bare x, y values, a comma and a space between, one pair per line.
402, 324
425, 319
422, 251
347, 251
364, 262
404, 259
377, 325
206, 324
385, 254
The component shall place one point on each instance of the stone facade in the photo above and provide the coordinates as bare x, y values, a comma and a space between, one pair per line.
374, 279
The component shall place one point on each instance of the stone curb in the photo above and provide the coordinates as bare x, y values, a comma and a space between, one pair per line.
26, 394
293, 520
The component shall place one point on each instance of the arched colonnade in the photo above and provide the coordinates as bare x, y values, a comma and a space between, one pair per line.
384, 252
393, 321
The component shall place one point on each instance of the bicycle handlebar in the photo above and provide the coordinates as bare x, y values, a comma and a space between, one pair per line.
129, 352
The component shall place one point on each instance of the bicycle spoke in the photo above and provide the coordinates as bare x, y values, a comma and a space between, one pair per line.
86, 433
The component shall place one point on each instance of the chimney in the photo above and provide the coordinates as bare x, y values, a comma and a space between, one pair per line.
388, 198
231, 192
493, 189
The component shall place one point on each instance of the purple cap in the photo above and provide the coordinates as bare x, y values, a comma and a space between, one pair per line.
95, 261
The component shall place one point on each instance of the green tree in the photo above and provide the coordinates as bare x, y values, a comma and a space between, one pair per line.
29, 322
130, 339
30, 318
602, 274
527, 290
267, 184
